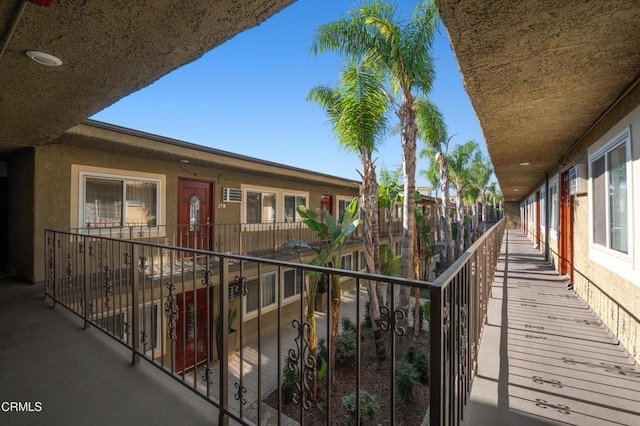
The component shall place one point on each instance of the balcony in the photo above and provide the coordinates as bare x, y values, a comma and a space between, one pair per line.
77, 374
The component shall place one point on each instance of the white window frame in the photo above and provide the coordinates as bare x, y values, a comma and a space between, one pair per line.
78, 190
157, 351
265, 308
609, 258
342, 262
280, 216
262, 192
297, 217
554, 204
295, 296
362, 261
341, 199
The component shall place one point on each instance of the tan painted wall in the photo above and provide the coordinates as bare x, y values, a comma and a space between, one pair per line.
512, 215
611, 287
55, 201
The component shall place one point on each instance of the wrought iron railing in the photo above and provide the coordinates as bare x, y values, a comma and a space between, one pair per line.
254, 239
164, 303
459, 299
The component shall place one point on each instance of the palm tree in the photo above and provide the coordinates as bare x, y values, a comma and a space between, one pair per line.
459, 172
433, 177
481, 171
357, 109
389, 194
402, 51
433, 132
493, 193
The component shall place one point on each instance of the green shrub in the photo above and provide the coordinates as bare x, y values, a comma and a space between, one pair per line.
406, 379
346, 348
420, 362
368, 406
289, 381
366, 334
347, 324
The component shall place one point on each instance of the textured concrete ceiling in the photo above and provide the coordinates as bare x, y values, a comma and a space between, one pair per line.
539, 73
108, 48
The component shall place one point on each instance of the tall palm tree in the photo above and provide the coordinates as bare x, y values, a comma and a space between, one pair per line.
357, 109
432, 175
402, 51
433, 132
481, 171
389, 194
460, 161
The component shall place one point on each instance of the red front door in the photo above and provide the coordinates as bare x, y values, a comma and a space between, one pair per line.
326, 203
566, 227
193, 329
195, 214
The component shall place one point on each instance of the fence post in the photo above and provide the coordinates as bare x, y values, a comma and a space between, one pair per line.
223, 304
435, 381
85, 280
135, 285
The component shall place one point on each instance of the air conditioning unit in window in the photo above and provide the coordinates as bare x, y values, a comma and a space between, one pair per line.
231, 195
578, 179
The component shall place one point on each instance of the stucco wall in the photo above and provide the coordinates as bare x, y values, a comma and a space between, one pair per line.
609, 284
54, 200
512, 215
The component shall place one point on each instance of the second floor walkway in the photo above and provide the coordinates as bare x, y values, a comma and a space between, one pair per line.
545, 357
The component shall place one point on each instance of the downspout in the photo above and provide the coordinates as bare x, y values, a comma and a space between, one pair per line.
546, 216
12, 29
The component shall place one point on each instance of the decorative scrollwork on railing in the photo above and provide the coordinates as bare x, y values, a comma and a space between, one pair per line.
107, 287
142, 263
239, 394
92, 250
81, 248
206, 280
127, 328
52, 268
242, 284
446, 316
144, 339
207, 373
463, 339
171, 312
303, 363
127, 257
92, 308
69, 271
473, 268
392, 320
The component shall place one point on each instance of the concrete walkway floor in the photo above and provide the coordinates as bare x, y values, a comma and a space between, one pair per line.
545, 357
64, 375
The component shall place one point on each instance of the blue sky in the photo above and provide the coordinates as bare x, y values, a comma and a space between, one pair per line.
247, 96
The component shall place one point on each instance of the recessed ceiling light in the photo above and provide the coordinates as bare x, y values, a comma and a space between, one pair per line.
525, 164
43, 58
184, 161
516, 190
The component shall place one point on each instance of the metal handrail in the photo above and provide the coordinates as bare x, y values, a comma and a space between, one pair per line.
140, 292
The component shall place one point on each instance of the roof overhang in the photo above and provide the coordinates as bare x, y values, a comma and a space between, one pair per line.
540, 74
109, 49
114, 139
